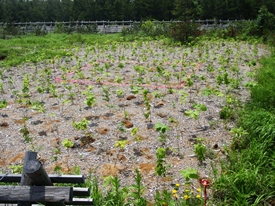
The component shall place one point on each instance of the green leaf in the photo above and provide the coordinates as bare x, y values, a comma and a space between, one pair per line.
3, 104
121, 143
192, 113
201, 107
189, 173
67, 143
160, 127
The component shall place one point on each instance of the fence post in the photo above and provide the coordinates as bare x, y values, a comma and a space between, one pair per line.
39, 177
25, 180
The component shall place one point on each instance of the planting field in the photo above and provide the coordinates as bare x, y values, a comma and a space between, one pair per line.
110, 108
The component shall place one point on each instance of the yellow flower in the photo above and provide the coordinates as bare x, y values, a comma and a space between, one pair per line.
186, 197
177, 185
187, 191
174, 191
198, 196
199, 189
176, 195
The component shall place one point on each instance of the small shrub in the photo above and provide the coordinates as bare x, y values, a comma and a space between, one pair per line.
154, 29
226, 113
185, 31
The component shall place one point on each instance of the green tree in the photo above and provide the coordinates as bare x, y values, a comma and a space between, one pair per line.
187, 9
66, 10
52, 9
147, 9
37, 11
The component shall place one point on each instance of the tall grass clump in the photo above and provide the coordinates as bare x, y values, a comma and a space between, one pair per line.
247, 175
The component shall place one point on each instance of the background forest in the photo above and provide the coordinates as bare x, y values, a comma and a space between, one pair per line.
72, 10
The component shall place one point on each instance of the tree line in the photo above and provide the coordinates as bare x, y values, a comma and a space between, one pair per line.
137, 10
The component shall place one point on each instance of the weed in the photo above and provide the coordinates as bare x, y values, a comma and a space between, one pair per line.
160, 169
200, 150
82, 125
136, 191
115, 195
3, 104
16, 169
26, 133
162, 129
67, 143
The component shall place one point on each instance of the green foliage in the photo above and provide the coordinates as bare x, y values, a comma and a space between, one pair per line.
121, 144
181, 12
160, 167
71, 11
189, 173
26, 133
263, 93
134, 131
106, 93
247, 174
200, 150
164, 198
38, 106
96, 193
3, 104
49, 46
192, 113
90, 97
67, 143
239, 138
264, 24
153, 29
119, 92
185, 31
162, 129
200, 107
82, 125
136, 191
226, 113
16, 169
115, 195
195, 113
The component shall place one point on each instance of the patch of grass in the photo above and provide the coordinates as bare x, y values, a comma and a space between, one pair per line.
247, 176
33, 48
263, 95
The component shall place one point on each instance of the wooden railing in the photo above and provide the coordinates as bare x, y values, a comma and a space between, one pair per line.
36, 186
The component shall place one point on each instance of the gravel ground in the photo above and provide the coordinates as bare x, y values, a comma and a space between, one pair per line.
111, 74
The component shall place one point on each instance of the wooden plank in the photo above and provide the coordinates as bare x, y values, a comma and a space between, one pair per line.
35, 194
54, 178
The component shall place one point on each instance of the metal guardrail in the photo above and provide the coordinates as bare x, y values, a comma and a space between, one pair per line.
110, 26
